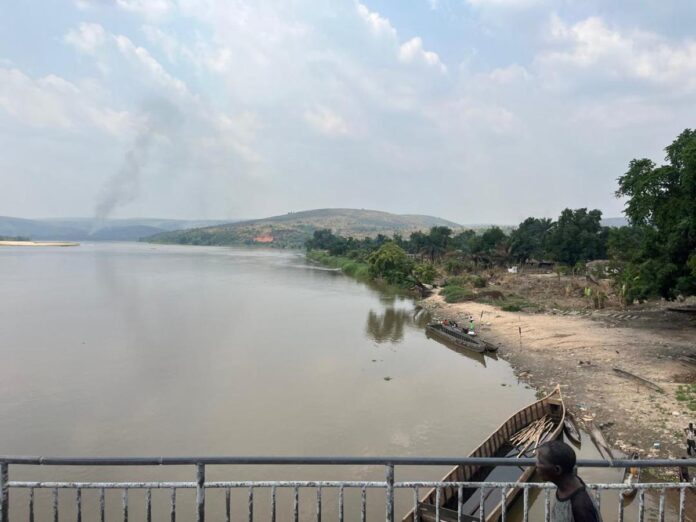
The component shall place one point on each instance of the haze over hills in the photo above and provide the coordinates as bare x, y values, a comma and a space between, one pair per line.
287, 230
88, 229
292, 229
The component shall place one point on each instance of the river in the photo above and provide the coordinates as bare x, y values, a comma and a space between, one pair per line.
137, 349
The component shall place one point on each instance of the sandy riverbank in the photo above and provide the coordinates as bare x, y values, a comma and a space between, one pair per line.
579, 352
39, 243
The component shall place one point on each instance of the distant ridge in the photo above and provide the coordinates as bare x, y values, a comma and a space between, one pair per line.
87, 229
292, 229
614, 222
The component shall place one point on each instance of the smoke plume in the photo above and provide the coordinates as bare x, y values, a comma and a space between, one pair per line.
161, 120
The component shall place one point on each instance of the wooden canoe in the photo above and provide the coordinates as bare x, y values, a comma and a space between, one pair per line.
456, 336
497, 445
571, 429
464, 352
631, 476
601, 443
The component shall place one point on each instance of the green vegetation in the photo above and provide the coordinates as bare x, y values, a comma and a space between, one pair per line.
457, 294
659, 249
350, 267
655, 255
687, 394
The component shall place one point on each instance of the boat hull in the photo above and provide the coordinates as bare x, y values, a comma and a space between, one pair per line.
551, 405
462, 340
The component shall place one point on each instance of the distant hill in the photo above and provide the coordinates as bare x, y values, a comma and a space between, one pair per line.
615, 222
87, 229
292, 229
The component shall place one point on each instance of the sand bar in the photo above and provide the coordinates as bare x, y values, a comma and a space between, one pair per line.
39, 243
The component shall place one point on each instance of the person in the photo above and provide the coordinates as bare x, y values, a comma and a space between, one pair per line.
684, 473
690, 439
472, 331
555, 461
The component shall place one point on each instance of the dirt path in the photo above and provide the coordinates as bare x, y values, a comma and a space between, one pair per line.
579, 351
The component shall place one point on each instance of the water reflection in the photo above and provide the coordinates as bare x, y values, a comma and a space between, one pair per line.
388, 326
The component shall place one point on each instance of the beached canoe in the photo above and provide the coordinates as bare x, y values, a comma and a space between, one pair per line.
631, 476
571, 429
464, 352
458, 337
600, 442
547, 413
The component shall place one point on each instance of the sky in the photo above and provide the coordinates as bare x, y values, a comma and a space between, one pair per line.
477, 111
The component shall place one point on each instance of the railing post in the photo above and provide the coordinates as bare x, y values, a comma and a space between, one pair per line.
200, 493
390, 492
4, 492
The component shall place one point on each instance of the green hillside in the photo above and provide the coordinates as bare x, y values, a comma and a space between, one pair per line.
292, 229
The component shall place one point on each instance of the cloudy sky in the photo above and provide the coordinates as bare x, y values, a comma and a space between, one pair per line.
472, 110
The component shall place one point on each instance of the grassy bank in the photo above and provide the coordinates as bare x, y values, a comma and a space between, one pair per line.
473, 287
348, 266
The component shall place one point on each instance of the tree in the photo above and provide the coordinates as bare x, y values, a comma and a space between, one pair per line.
390, 263
435, 244
577, 236
424, 273
527, 240
662, 202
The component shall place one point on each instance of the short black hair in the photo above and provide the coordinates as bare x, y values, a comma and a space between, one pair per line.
560, 454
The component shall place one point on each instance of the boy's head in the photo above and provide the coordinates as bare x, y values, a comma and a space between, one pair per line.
555, 459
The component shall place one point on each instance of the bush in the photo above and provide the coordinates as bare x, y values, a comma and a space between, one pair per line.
479, 281
457, 281
355, 269
425, 272
511, 308
456, 294
457, 266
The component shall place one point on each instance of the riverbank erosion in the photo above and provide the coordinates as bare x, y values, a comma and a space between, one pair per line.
580, 351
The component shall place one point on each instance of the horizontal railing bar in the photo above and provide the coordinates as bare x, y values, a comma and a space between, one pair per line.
335, 484
327, 461
546, 485
208, 485
98, 485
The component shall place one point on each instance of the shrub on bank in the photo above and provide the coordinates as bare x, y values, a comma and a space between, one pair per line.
350, 267
456, 294
460, 281
479, 281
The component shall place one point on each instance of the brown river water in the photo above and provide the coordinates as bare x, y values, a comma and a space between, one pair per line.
126, 349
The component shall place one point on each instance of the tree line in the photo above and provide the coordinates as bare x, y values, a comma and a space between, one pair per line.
654, 255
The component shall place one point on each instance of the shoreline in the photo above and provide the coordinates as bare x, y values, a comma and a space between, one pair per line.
579, 351
39, 243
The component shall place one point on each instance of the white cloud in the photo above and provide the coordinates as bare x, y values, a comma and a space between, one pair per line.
53, 102
326, 121
86, 38
154, 69
147, 8
509, 75
412, 51
591, 46
166, 42
512, 4
378, 25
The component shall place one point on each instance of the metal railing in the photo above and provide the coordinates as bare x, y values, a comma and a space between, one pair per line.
389, 486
